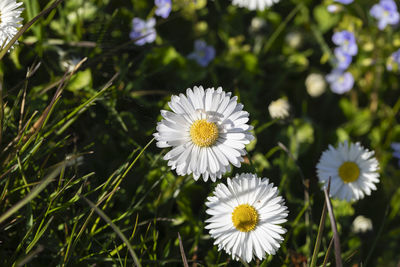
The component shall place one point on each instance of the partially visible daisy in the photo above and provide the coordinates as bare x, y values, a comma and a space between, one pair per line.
352, 168
294, 39
246, 216
10, 20
279, 109
208, 131
361, 224
254, 4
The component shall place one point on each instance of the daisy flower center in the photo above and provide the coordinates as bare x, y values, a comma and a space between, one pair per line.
204, 133
349, 172
245, 218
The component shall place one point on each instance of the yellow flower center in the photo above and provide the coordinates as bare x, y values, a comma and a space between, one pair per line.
245, 218
349, 172
204, 133
386, 13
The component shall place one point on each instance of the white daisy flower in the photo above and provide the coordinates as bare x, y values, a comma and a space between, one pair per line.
207, 130
352, 168
254, 4
315, 84
10, 18
245, 217
361, 224
279, 109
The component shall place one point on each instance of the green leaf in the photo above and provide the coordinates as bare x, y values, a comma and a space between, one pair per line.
80, 80
325, 20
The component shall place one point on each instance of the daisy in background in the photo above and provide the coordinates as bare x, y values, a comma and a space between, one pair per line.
254, 4
207, 130
246, 216
352, 168
361, 224
315, 84
10, 20
279, 109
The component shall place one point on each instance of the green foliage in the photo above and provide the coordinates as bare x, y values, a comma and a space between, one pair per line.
82, 182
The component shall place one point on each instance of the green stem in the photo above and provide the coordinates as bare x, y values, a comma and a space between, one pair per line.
281, 27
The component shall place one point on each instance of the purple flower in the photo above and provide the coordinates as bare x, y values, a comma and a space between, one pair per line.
345, 2
396, 152
143, 31
386, 13
203, 53
346, 41
343, 59
394, 58
340, 82
163, 8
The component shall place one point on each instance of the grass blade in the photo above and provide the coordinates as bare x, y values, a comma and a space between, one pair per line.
336, 239
378, 235
115, 228
319, 237
30, 256
281, 27
185, 262
26, 27
34, 193
328, 253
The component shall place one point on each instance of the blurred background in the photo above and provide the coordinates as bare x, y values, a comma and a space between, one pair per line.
52, 114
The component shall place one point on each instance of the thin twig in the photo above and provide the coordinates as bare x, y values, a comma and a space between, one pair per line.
328, 253
30, 256
185, 262
336, 239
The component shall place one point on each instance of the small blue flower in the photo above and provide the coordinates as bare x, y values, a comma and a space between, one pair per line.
396, 153
203, 53
340, 82
386, 13
342, 58
143, 31
345, 2
346, 41
163, 8
394, 58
